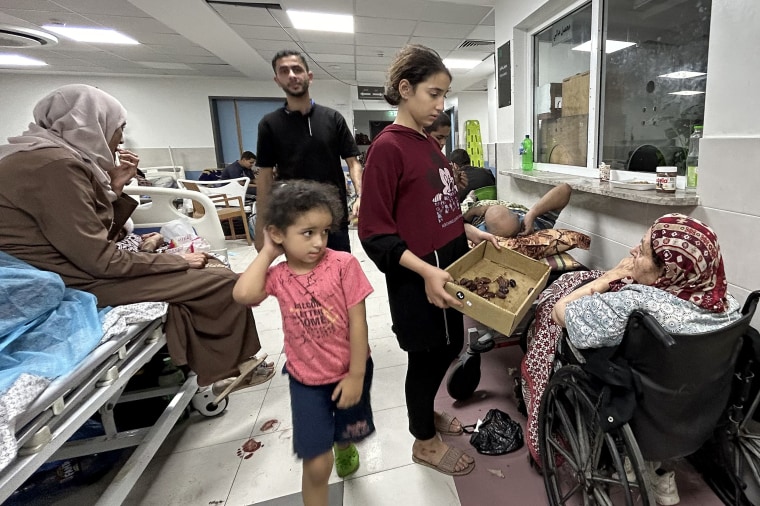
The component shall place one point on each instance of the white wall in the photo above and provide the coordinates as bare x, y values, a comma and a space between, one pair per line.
472, 105
728, 178
162, 111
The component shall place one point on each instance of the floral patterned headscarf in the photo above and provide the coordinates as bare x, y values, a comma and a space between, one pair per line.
693, 262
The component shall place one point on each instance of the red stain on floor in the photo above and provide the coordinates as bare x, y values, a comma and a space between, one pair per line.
248, 448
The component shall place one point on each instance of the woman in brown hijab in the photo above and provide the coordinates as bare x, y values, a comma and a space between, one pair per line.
61, 208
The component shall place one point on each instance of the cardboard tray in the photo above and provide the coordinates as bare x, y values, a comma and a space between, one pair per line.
485, 260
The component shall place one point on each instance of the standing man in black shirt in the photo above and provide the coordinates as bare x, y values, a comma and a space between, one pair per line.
305, 140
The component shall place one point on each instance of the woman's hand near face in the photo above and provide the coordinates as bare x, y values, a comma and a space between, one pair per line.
622, 270
125, 171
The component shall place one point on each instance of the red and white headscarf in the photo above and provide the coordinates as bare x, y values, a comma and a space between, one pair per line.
693, 262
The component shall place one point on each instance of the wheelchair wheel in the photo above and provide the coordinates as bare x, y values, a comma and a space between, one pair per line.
581, 463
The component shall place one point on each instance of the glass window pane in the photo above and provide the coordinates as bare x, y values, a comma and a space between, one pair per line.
654, 88
561, 80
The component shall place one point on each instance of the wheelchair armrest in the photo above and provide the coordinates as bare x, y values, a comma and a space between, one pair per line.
653, 326
751, 303
565, 345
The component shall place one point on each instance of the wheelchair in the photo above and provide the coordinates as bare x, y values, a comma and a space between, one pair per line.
656, 396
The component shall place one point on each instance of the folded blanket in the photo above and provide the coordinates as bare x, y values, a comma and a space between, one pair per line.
544, 243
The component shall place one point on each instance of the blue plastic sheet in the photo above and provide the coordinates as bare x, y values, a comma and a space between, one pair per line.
46, 329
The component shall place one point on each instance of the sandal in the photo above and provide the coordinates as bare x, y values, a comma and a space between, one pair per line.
448, 463
443, 423
346, 460
253, 371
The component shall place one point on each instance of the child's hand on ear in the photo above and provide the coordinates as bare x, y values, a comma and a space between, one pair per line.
271, 248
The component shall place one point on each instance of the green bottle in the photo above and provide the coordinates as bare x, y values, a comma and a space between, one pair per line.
692, 160
526, 150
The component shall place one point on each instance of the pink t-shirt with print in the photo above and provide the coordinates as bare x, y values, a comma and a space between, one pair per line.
314, 309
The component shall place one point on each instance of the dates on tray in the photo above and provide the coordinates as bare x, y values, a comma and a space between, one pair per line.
482, 286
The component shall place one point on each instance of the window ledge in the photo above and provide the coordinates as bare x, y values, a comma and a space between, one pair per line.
595, 186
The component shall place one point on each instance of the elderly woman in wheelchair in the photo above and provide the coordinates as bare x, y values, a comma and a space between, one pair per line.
646, 349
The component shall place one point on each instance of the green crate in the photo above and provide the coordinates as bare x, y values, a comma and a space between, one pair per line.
486, 193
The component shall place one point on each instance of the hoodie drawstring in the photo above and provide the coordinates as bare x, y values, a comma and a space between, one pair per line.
445, 321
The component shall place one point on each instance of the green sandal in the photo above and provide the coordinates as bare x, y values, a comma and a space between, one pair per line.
346, 460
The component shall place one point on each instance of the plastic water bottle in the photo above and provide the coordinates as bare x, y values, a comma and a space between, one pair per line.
692, 160
526, 150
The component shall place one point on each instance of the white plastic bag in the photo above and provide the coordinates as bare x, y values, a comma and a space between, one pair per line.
182, 238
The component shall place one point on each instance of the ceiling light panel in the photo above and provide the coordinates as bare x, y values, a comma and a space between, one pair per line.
91, 35
321, 21
17, 60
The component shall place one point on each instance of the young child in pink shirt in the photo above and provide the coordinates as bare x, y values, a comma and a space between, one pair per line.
321, 295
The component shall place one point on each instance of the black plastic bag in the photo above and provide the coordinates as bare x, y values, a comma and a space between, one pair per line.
498, 434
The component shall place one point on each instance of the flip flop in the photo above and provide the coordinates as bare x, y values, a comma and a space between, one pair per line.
448, 463
252, 372
443, 423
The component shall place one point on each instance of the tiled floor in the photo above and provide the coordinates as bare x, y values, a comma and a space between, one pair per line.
204, 461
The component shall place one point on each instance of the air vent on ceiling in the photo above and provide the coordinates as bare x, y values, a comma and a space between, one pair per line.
475, 43
17, 37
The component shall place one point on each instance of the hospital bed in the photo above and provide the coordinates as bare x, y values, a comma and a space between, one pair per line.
97, 383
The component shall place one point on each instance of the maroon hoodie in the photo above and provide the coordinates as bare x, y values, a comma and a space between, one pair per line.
409, 191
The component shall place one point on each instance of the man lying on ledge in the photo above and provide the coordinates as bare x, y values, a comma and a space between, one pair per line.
511, 220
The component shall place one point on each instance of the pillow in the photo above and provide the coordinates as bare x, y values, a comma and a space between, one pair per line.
562, 262
543, 243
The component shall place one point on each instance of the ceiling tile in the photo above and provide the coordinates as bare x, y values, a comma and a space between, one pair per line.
396, 9
384, 25
254, 16
482, 33
185, 49
368, 39
270, 45
130, 24
324, 37
446, 12
31, 5
440, 45
443, 30
112, 7
364, 66
370, 76
40, 18
318, 47
375, 51
261, 32
332, 58
332, 6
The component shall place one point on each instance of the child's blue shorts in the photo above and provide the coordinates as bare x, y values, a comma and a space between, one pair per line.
317, 421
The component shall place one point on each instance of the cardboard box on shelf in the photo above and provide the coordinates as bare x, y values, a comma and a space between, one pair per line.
485, 260
575, 91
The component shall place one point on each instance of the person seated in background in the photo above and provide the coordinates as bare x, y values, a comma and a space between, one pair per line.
512, 220
61, 191
660, 277
243, 168
477, 177
440, 129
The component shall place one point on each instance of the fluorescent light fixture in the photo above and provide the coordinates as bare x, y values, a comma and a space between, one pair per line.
20, 61
683, 74
96, 35
320, 21
610, 46
686, 92
453, 63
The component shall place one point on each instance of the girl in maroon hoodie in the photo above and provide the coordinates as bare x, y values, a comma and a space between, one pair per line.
411, 226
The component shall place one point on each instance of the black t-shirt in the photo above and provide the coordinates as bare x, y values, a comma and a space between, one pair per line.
477, 177
306, 146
